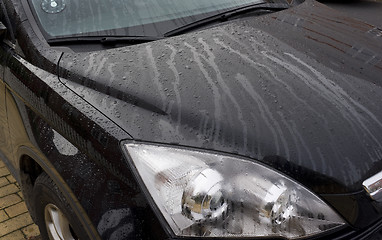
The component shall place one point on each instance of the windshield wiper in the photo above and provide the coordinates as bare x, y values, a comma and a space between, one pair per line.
220, 17
106, 40
226, 15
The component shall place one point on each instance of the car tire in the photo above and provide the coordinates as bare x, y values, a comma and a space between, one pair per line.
27, 191
54, 216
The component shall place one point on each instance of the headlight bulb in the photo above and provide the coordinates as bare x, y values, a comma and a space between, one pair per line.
203, 198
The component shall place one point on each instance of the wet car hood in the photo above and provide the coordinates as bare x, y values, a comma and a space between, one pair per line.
299, 90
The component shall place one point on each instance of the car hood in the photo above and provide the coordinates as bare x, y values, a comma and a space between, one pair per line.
299, 90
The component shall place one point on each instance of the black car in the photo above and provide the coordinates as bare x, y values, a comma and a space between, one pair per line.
159, 119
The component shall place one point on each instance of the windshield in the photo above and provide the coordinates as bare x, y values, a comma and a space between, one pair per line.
65, 18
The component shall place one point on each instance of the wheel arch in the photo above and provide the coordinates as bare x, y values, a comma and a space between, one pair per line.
31, 166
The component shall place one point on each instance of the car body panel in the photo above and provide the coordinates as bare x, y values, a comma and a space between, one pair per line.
76, 164
4, 146
274, 96
90, 102
52, 125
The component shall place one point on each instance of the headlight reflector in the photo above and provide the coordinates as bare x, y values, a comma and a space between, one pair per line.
206, 194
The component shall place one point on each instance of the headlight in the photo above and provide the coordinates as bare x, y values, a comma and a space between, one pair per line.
206, 194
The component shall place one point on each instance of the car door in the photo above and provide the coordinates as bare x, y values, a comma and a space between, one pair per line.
3, 122
5, 147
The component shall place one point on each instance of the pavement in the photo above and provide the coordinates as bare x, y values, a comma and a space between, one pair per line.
15, 221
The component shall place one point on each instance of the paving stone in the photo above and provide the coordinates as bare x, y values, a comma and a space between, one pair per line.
17, 209
8, 189
17, 235
35, 238
9, 200
31, 231
11, 179
4, 172
20, 194
15, 223
3, 181
3, 216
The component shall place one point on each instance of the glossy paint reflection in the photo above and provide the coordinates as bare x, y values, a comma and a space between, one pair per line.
250, 89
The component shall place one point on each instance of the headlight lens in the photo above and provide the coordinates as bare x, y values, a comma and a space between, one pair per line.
205, 194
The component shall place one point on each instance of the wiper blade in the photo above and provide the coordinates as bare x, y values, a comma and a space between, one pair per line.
132, 39
107, 40
224, 16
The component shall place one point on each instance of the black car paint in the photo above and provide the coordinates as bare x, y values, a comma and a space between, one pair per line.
146, 77
142, 90
174, 79
104, 97
41, 103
